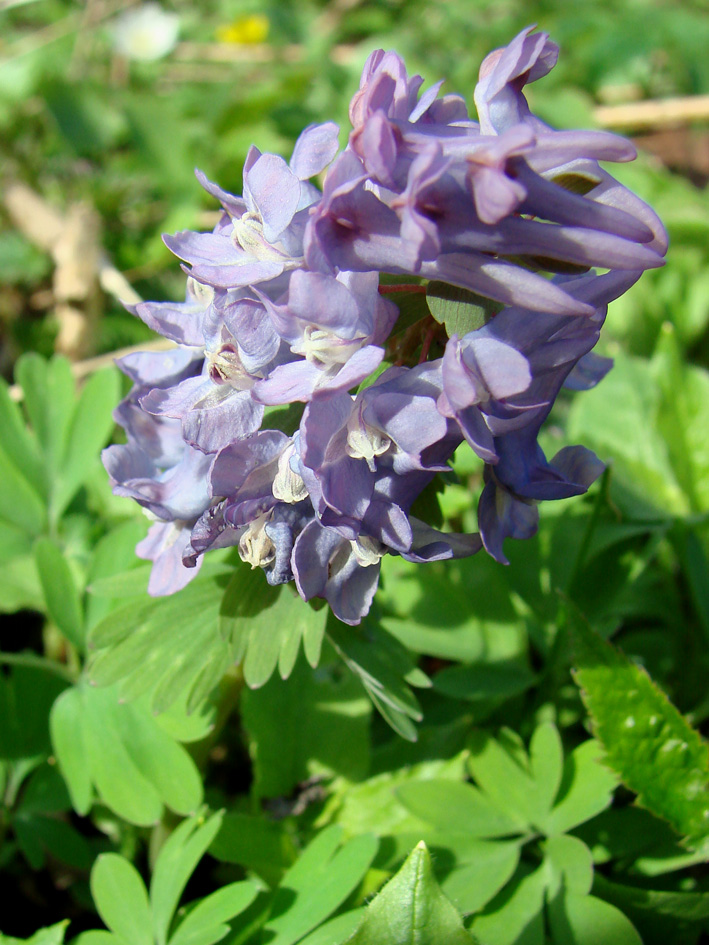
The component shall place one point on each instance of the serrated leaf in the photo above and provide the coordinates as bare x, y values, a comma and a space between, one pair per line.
121, 898
318, 882
648, 743
177, 861
61, 595
460, 310
412, 910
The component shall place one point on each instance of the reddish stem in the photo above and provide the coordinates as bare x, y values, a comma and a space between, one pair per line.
426, 346
391, 289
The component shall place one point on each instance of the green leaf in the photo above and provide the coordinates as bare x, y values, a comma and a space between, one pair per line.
37, 835
98, 937
177, 861
653, 749
26, 696
318, 882
135, 765
569, 865
335, 931
162, 646
20, 503
683, 417
382, 665
516, 915
584, 920
460, 310
454, 806
20, 443
660, 915
575, 182
205, 923
315, 723
60, 592
48, 388
587, 787
265, 625
504, 774
113, 553
91, 426
412, 910
630, 437
121, 898
489, 866
66, 725
52, 935
264, 846
497, 681
546, 760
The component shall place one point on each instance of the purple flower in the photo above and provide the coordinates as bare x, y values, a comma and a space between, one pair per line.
284, 307
334, 326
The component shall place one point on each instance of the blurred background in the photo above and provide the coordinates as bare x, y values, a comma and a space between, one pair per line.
106, 106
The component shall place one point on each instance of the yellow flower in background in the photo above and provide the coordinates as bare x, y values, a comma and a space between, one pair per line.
245, 30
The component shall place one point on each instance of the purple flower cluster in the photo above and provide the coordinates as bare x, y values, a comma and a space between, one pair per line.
284, 424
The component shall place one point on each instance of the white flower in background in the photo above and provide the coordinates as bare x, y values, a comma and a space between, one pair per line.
147, 32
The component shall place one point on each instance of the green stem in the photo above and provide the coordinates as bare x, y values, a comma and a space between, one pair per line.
38, 662
582, 553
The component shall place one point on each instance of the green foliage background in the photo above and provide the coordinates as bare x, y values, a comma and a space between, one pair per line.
230, 764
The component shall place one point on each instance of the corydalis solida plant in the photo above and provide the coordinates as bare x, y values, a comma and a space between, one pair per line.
284, 309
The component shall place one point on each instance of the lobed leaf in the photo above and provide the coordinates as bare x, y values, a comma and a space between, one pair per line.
265, 625
318, 882
178, 859
121, 898
61, 594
